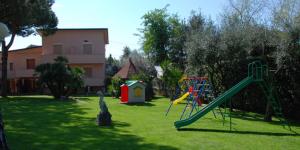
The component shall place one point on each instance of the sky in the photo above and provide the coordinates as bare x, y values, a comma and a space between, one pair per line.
122, 18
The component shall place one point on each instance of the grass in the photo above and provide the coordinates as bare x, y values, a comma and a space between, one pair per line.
39, 122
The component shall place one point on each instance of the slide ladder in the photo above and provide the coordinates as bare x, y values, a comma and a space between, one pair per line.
272, 97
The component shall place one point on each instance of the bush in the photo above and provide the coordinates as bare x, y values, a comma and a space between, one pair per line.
170, 78
115, 88
61, 79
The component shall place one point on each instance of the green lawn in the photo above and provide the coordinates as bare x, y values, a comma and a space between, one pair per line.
39, 122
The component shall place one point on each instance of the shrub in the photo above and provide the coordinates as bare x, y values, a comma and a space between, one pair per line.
115, 90
59, 77
170, 77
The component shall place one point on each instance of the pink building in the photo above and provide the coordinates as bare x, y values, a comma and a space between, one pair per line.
84, 48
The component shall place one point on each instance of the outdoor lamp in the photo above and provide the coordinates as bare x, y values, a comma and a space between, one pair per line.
4, 32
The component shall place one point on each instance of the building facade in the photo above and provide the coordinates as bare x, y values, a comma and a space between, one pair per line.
83, 48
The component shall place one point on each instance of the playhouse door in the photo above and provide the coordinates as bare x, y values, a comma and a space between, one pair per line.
124, 94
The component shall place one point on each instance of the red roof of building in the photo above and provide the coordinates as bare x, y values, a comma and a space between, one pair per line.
127, 70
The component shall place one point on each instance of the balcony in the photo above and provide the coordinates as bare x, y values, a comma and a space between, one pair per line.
76, 59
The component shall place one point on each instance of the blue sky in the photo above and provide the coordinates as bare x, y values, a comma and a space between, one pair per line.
122, 18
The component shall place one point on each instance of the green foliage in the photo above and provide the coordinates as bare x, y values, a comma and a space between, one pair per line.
143, 65
223, 52
200, 47
140, 76
76, 78
204, 54
163, 35
126, 52
287, 75
176, 52
110, 59
23, 17
156, 35
125, 56
115, 88
171, 76
61, 79
112, 66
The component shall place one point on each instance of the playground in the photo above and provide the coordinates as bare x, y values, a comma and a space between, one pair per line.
224, 77
39, 122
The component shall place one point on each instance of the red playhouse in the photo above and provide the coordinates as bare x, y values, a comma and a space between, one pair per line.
133, 91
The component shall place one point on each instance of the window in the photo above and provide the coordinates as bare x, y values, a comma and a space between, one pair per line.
30, 63
11, 66
87, 48
57, 49
88, 72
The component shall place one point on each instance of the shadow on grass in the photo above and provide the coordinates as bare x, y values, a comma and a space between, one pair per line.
260, 117
156, 97
45, 123
240, 132
149, 104
248, 116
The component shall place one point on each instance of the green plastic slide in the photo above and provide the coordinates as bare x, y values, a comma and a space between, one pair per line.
215, 103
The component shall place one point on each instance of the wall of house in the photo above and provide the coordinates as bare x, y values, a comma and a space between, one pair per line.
97, 76
72, 43
19, 60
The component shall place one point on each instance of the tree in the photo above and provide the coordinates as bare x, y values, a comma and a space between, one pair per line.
61, 79
247, 10
110, 60
203, 47
171, 76
223, 51
125, 56
146, 72
176, 52
246, 37
112, 66
194, 43
156, 35
143, 64
126, 52
163, 37
23, 17
286, 22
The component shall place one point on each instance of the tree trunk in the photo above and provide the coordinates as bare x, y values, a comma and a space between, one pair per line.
165, 90
4, 70
53, 90
268, 114
4, 65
